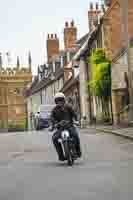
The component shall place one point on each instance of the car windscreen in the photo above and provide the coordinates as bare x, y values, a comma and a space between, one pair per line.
45, 110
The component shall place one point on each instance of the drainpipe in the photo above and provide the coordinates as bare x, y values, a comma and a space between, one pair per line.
103, 46
41, 96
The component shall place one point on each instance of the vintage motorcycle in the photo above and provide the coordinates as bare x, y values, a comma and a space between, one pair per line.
67, 141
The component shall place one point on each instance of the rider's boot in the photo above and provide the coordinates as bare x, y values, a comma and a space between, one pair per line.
78, 149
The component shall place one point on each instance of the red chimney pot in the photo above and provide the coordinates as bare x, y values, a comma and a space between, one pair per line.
66, 24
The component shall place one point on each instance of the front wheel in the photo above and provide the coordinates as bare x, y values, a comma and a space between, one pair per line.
70, 161
68, 153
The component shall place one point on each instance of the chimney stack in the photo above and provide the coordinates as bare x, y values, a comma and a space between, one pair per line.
70, 35
52, 46
97, 6
66, 24
93, 14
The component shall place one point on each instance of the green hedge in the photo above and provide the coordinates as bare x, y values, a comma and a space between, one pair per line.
20, 125
3, 124
14, 125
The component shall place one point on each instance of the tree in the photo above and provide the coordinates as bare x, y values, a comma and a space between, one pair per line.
100, 83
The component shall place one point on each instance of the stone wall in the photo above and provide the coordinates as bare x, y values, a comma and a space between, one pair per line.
120, 88
13, 111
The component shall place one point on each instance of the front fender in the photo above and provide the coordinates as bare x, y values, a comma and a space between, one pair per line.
65, 134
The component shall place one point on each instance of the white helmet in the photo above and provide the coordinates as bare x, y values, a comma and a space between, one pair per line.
59, 95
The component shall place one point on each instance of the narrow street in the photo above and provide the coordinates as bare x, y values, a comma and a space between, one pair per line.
29, 169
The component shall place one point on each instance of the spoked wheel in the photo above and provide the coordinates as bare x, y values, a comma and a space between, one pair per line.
70, 161
69, 153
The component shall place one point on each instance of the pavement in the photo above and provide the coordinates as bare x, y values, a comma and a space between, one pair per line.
29, 169
120, 131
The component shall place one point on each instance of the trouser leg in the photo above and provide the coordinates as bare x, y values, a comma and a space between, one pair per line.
75, 134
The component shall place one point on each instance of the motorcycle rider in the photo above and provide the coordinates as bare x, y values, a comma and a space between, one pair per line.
63, 111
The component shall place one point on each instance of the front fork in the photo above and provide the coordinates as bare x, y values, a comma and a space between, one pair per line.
69, 148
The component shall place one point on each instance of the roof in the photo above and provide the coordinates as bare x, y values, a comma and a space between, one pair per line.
88, 38
111, 6
45, 82
119, 53
69, 83
85, 47
82, 39
37, 86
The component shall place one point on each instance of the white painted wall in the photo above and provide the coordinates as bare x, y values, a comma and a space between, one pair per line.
34, 101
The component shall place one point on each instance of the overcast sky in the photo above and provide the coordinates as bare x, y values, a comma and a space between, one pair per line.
25, 24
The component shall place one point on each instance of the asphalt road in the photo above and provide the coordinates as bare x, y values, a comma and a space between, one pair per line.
29, 169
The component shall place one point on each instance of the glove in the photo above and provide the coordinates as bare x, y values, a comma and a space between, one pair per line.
76, 123
51, 129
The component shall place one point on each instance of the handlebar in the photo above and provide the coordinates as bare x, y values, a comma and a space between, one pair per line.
64, 123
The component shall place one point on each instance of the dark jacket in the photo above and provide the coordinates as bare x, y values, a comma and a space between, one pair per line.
65, 112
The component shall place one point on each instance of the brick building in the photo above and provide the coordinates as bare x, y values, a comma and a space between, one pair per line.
114, 43
64, 56
112, 25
